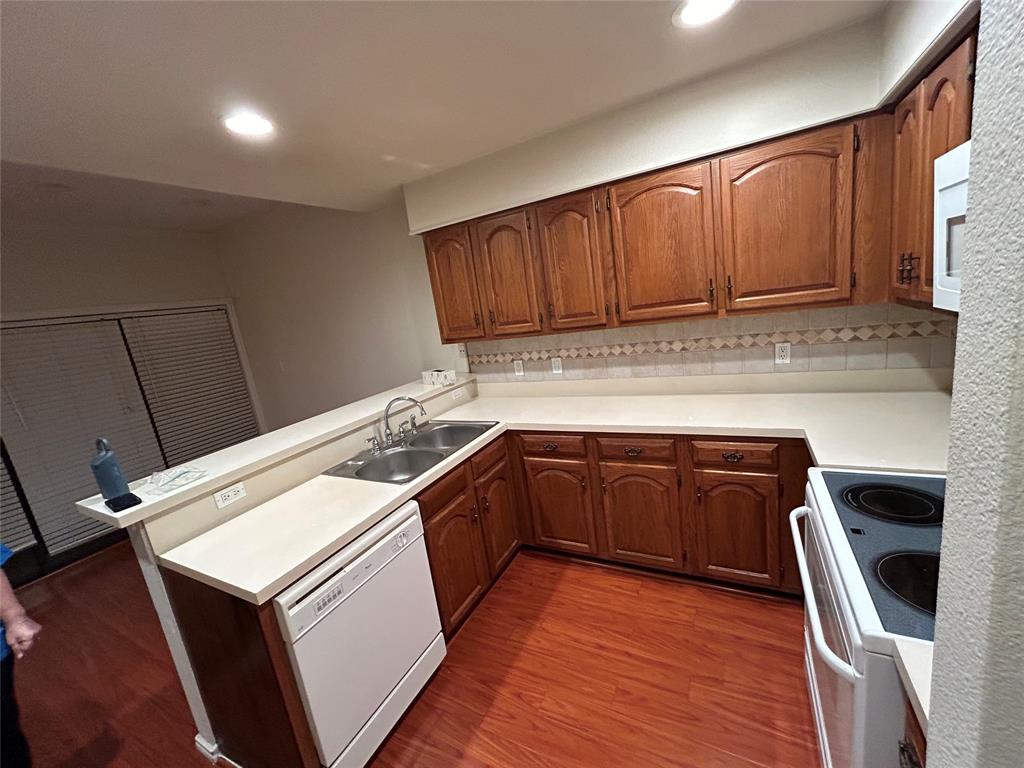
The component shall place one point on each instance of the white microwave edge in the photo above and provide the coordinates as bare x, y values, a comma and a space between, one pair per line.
949, 221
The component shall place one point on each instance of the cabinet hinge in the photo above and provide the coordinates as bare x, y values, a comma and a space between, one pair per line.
608, 200
856, 139
686, 556
528, 224
853, 279
607, 309
679, 481
782, 488
782, 570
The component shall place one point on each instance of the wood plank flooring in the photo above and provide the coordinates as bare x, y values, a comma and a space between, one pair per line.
562, 664
575, 665
99, 687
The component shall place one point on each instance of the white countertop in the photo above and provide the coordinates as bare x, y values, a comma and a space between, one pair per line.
914, 662
906, 431
258, 553
226, 466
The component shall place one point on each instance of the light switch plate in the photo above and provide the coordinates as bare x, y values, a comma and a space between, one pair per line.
782, 353
229, 495
556, 365
517, 366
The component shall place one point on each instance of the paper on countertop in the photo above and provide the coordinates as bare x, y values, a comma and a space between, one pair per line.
171, 479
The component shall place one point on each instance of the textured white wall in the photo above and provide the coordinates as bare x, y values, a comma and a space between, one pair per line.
50, 266
332, 306
977, 707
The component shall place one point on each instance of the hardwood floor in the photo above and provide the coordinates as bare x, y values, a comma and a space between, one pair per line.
575, 665
99, 687
562, 664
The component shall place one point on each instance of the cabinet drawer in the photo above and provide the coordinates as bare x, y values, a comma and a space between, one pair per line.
554, 445
436, 497
487, 457
638, 448
732, 454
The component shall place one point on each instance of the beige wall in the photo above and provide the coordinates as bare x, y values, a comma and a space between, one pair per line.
48, 266
333, 306
833, 76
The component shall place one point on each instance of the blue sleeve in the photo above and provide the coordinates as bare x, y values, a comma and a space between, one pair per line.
5, 554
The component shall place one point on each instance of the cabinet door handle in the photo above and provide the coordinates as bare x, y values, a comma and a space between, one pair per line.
486, 504
474, 515
550, 447
908, 756
633, 451
604, 485
899, 268
551, 310
728, 286
711, 289
490, 313
732, 457
583, 482
700, 494
476, 319
911, 258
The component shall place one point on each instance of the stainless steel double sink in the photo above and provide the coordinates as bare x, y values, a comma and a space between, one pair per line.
411, 456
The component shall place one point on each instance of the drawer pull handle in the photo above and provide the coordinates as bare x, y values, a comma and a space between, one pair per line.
549, 447
633, 451
732, 457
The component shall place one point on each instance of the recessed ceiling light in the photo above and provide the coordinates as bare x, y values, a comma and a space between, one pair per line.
694, 13
245, 122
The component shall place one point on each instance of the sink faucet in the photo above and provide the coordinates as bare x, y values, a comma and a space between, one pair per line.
388, 436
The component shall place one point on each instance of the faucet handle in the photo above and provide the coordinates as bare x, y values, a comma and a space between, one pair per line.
412, 423
374, 444
403, 429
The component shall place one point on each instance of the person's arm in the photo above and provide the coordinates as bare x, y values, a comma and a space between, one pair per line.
20, 630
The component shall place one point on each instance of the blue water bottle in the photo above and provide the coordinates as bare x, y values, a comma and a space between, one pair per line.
110, 478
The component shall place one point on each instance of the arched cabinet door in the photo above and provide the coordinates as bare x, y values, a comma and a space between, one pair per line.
663, 239
946, 123
560, 504
641, 515
787, 221
737, 520
457, 559
498, 512
508, 269
908, 222
571, 252
454, 283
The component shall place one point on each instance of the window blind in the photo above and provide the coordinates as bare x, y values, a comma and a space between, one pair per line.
188, 365
63, 386
15, 530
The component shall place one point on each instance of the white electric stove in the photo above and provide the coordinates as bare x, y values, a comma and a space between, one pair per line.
868, 556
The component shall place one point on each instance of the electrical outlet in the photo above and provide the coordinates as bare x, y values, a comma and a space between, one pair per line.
458, 394
556, 365
229, 495
782, 353
462, 350
517, 367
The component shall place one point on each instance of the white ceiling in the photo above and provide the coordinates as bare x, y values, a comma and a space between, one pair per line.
366, 96
45, 195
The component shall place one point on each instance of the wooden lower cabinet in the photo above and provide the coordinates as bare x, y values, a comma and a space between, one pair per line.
560, 504
458, 561
736, 517
640, 513
496, 497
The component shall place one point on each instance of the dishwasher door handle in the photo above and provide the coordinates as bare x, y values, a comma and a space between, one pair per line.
840, 667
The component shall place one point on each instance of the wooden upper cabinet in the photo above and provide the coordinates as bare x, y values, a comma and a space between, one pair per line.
453, 281
641, 515
496, 499
947, 95
907, 184
662, 228
787, 220
737, 519
560, 504
509, 282
570, 250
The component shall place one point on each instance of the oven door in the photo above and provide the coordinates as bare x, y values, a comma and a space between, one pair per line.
831, 676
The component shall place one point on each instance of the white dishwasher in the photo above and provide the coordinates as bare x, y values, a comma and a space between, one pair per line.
364, 637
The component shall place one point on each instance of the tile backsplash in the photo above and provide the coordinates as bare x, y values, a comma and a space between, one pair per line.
842, 338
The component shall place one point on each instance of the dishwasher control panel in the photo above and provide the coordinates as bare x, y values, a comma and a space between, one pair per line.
326, 587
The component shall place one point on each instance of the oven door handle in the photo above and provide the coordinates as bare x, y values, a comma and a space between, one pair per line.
840, 667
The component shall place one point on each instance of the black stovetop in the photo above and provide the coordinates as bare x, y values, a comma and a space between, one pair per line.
894, 526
